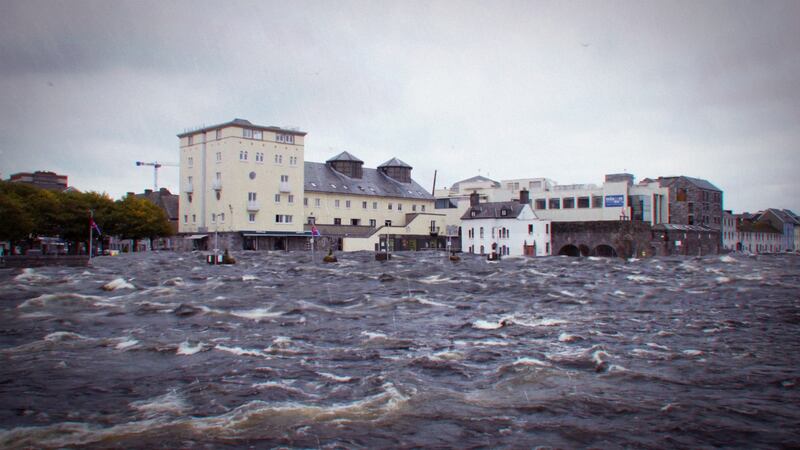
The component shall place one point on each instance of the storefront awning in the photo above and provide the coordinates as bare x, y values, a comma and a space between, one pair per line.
197, 236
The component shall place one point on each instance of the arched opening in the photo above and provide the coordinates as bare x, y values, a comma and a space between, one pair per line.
605, 251
584, 250
569, 250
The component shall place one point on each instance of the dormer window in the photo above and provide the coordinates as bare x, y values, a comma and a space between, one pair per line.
503, 212
473, 213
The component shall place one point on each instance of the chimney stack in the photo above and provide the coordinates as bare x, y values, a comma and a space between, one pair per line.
524, 197
474, 198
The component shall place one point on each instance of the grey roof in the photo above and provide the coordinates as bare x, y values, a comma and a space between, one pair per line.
394, 162
699, 182
320, 177
345, 156
783, 215
493, 210
242, 123
474, 179
165, 200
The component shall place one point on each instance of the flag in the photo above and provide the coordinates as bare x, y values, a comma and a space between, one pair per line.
314, 231
94, 226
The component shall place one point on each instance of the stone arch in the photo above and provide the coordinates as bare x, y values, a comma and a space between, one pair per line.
584, 249
605, 250
569, 250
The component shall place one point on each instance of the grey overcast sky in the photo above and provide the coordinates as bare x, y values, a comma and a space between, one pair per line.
568, 90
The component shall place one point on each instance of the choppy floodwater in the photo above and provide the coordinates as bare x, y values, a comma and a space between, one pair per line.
414, 352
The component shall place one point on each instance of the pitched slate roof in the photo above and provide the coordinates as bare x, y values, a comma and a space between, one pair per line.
345, 156
242, 123
477, 178
320, 177
394, 162
698, 182
784, 215
494, 210
165, 200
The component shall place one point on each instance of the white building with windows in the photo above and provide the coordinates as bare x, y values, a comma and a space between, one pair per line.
509, 228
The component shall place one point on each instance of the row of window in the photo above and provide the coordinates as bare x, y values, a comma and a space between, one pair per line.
279, 218
503, 233
595, 201
244, 155
248, 133
252, 197
364, 204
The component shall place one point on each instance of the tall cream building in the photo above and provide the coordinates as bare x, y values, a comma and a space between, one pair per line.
241, 183
246, 186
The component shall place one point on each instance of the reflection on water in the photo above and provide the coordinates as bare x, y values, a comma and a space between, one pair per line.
162, 350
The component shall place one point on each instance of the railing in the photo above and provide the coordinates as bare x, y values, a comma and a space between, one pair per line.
216, 185
188, 188
253, 205
435, 231
284, 187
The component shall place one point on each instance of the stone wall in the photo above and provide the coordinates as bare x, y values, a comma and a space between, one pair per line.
594, 238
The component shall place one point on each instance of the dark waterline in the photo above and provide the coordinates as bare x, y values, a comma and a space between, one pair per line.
414, 352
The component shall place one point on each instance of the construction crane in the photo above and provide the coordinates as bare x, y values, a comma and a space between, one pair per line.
156, 165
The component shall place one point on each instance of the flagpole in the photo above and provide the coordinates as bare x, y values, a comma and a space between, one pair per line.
91, 221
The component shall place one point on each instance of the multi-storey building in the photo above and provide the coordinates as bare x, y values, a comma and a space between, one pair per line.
693, 201
41, 179
244, 181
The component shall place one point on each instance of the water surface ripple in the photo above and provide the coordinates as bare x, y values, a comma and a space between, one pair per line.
162, 350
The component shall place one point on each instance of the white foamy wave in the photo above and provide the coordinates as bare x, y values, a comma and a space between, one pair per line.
692, 352
727, 259
565, 337
249, 278
117, 284
256, 314
186, 348
723, 280
126, 344
447, 355
425, 301
642, 279
30, 275
241, 351
61, 336
43, 300
484, 325
371, 335
336, 378
657, 346
170, 402
531, 362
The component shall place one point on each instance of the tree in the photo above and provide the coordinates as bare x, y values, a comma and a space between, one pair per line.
15, 222
77, 209
136, 219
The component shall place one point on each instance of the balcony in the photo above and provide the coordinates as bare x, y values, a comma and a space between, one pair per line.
188, 188
434, 231
284, 187
216, 185
253, 206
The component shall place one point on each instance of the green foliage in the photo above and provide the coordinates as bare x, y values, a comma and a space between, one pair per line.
136, 218
26, 211
15, 222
